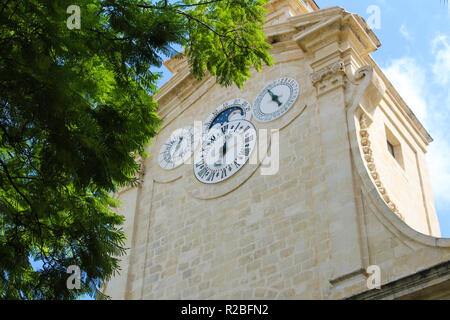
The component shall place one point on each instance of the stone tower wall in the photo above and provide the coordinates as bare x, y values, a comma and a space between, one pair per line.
337, 204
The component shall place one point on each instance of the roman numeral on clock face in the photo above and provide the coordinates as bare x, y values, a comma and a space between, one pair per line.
224, 128
203, 172
224, 173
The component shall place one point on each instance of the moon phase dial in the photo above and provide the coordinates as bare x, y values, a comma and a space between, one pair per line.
237, 109
275, 100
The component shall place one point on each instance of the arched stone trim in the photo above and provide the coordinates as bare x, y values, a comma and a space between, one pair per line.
383, 213
370, 163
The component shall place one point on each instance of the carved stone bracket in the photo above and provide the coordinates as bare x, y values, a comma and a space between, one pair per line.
329, 78
370, 163
322, 74
365, 89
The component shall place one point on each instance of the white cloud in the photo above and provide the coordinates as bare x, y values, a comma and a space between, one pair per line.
441, 66
426, 94
439, 154
409, 79
438, 159
405, 33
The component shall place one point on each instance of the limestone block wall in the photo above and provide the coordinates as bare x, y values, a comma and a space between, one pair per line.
244, 243
128, 198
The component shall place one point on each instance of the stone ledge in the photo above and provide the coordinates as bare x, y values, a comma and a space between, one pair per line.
431, 283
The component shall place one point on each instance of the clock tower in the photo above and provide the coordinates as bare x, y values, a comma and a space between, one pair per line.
294, 187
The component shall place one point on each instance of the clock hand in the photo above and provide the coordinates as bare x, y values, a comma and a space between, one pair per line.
223, 150
275, 98
177, 147
179, 144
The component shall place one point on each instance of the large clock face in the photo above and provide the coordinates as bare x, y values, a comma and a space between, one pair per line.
275, 100
177, 149
237, 109
225, 150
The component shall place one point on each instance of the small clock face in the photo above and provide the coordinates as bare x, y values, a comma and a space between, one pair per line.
225, 150
177, 149
275, 100
237, 109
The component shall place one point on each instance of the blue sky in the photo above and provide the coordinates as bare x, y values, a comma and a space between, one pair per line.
415, 56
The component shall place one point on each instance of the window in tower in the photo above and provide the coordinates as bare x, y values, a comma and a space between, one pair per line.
394, 147
391, 148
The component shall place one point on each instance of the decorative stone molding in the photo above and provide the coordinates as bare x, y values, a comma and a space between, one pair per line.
326, 72
329, 78
374, 89
370, 163
304, 27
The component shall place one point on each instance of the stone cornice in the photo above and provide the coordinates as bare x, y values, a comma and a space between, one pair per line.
413, 286
400, 103
295, 6
177, 78
331, 22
